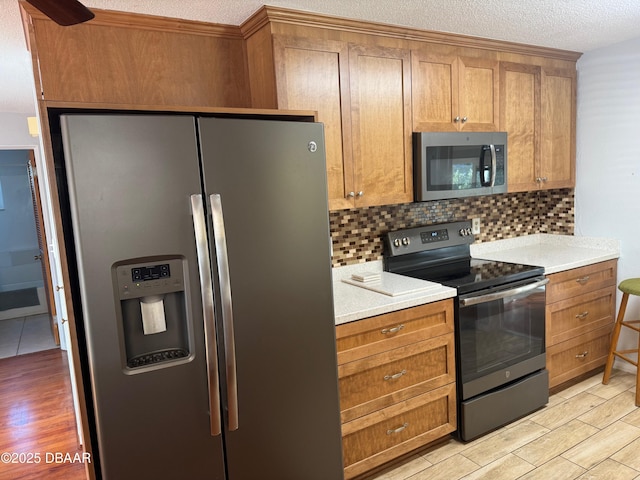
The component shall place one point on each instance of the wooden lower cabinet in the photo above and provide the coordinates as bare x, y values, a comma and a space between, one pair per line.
397, 384
580, 314
381, 380
382, 436
579, 355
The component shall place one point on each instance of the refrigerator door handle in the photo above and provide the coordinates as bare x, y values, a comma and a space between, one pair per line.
220, 242
206, 285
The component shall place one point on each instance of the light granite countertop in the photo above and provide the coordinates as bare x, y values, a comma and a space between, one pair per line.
555, 253
352, 302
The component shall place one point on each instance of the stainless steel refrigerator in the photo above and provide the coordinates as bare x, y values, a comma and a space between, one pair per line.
199, 253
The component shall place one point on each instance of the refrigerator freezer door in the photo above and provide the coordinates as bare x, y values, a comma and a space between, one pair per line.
130, 178
271, 181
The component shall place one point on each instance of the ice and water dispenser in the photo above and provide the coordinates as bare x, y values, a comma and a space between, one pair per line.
153, 311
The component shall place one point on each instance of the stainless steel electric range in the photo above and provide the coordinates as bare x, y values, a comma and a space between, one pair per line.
499, 323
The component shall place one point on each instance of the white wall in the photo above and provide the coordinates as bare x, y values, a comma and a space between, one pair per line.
14, 130
608, 157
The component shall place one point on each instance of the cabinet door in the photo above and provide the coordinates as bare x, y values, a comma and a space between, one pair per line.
454, 93
387, 434
434, 91
312, 74
520, 118
381, 124
557, 158
478, 94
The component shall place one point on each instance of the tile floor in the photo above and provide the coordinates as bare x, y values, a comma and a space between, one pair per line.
25, 335
588, 431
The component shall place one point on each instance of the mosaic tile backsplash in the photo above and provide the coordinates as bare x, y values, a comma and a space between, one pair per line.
357, 233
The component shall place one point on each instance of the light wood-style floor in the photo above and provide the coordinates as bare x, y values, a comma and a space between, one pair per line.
37, 418
588, 431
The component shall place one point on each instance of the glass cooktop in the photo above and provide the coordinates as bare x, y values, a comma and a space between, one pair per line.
470, 275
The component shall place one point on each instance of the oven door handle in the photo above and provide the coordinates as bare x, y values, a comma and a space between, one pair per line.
466, 302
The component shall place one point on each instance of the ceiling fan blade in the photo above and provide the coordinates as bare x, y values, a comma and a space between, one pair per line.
63, 12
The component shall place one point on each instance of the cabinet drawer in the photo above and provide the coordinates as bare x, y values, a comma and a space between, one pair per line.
577, 315
362, 338
381, 380
581, 354
581, 280
386, 434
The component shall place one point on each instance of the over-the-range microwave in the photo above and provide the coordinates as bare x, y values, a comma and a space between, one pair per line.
459, 164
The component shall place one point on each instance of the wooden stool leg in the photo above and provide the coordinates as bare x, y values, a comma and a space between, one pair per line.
614, 342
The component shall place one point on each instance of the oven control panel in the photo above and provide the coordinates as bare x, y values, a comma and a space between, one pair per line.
429, 237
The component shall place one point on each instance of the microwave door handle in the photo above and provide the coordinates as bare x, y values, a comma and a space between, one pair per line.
483, 168
211, 351
490, 297
493, 164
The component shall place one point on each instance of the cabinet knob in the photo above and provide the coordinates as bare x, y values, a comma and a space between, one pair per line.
351, 194
582, 355
456, 120
464, 119
543, 179
360, 193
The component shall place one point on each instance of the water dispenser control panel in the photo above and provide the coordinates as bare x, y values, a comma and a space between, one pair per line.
152, 272
139, 280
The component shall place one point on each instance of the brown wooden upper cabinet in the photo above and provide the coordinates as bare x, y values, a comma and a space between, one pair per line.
381, 125
558, 128
313, 74
362, 95
372, 85
538, 113
453, 93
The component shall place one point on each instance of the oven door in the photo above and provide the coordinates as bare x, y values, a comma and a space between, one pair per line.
500, 335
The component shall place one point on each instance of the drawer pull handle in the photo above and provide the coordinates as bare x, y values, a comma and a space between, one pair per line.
397, 375
583, 280
582, 315
387, 331
582, 355
398, 430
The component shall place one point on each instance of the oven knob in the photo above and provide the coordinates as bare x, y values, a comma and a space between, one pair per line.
406, 241
396, 242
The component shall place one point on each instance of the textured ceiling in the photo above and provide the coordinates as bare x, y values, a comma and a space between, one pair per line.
579, 25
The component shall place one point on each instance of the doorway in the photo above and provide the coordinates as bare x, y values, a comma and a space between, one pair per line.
26, 313
32, 357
